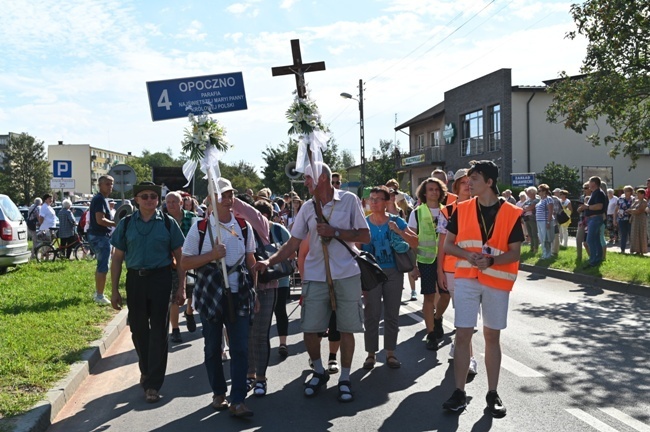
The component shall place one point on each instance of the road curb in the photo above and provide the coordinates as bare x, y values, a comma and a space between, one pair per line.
41, 415
595, 281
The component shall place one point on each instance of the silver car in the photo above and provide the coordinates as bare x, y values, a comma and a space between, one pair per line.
13, 235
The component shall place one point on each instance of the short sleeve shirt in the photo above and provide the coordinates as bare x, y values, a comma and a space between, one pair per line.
413, 222
98, 205
597, 196
489, 215
147, 245
49, 217
344, 212
231, 236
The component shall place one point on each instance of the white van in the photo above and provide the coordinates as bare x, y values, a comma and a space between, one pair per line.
13, 235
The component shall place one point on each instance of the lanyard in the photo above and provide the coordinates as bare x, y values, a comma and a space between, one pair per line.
487, 232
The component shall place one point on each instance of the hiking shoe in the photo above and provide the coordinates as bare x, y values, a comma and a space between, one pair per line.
457, 401
101, 300
176, 336
438, 331
473, 367
495, 405
432, 343
190, 322
414, 295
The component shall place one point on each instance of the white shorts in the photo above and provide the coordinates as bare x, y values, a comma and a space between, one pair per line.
470, 296
450, 286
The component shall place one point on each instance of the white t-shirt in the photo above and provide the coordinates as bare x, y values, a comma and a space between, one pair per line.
231, 237
413, 223
611, 206
343, 212
49, 217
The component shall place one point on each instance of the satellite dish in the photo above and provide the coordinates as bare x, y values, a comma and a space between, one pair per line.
290, 171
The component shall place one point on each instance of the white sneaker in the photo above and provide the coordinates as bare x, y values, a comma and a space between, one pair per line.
473, 367
451, 349
101, 300
414, 295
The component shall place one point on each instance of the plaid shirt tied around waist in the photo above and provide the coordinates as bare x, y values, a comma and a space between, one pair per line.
209, 292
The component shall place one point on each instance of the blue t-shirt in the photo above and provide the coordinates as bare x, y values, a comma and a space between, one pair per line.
98, 204
379, 244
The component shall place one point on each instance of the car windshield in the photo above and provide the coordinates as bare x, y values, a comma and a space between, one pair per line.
9, 209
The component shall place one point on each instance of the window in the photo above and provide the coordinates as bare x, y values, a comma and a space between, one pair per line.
494, 139
472, 141
420, 142
435, 138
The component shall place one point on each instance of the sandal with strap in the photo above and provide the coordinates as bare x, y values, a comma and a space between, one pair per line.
392, 362
260, 388
250, 383
345, 392
315, 386
369, 363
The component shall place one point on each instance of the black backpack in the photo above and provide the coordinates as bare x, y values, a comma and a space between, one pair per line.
32, 221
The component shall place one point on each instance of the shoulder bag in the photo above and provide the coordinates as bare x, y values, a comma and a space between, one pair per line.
371, 274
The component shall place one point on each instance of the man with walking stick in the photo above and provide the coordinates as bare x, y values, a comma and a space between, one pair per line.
343, 220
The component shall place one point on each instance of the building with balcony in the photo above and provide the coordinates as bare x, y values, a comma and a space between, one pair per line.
489, 118
87, 164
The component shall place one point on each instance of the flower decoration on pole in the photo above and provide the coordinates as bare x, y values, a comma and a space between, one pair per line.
204, 139
306, 122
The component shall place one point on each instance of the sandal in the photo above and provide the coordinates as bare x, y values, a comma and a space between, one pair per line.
392, 362
345, 392
283, 351
332, 367
260, 388
250, 383
369, 363
321, 380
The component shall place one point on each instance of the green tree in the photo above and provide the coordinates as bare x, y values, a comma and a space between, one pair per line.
562, 176
242, 175
381, 167
616, 82
159, 159
25, 169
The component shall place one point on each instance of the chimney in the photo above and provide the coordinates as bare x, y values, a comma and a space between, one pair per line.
60, 142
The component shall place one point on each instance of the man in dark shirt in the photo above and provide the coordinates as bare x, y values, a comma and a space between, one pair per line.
100, 222
594, 210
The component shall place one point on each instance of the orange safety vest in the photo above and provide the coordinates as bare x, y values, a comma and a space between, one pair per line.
449, 263
451, 198
499, 276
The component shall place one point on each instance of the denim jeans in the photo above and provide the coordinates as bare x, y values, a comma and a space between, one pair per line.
546, 235
624, 233
238, 340
593, 240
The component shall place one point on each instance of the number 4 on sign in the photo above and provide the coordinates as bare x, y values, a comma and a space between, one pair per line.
163, 100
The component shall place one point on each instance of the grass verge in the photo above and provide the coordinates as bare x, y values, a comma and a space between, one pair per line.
47, 319
625, 268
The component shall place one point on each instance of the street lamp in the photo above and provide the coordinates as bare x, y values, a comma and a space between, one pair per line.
361, 135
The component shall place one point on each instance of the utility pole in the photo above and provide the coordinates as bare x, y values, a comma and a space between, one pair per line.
362, 137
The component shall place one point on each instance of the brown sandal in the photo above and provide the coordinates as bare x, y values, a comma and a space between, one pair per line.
392, 362
369, 363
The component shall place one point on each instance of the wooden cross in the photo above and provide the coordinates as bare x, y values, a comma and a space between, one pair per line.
298, 68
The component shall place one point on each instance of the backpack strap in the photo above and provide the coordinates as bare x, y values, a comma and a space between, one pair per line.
202, 225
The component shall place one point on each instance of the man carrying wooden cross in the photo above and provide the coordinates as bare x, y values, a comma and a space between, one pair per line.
345, 221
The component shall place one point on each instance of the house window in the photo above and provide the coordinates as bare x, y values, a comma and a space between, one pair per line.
494, 139
472, 141
435, 138
420, 142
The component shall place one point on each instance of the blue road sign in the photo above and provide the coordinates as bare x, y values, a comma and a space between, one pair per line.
522, 179
62, 169
177, 98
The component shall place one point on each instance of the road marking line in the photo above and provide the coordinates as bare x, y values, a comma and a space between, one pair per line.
406, 310
517, 368
628, 420
591, 420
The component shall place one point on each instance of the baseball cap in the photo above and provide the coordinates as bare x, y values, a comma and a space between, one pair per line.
460, 174
225, 185
556, 190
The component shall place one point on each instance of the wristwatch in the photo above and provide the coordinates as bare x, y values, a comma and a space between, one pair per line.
337, 233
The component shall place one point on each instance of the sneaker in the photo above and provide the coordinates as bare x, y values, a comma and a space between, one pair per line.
432, 343
495, 405
176, 336
473, 367
438, 331
457, 401
451, 349
101, 300
414, 295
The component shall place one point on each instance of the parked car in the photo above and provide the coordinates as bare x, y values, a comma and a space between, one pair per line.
76, 210
13, 235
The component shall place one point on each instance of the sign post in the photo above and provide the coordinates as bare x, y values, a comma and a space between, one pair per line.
522, 179
124, 177
176, 98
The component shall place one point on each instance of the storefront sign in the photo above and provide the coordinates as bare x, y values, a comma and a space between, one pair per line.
412, 160
522, 179
449, 133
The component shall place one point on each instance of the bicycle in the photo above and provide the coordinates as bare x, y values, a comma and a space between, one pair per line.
50, 251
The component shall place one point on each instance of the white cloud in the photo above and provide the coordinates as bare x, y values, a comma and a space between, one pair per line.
193, 32
287, 4
238, 8
235, 37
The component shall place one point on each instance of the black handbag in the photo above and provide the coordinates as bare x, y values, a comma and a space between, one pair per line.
371, 274
561, 217
277, 271
405, 262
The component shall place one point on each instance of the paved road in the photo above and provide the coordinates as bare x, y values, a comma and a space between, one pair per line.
575, 359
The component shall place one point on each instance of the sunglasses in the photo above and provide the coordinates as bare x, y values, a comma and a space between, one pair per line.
336, 183
151, 196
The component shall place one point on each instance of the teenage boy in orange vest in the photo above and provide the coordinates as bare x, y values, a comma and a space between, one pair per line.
485, 234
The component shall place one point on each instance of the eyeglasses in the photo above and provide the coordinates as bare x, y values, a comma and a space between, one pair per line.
376, 199
151, 196
336, 183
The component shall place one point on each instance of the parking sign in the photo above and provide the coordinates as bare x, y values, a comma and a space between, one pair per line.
62, 169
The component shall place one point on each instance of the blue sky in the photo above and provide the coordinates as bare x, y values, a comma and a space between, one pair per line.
76, 70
